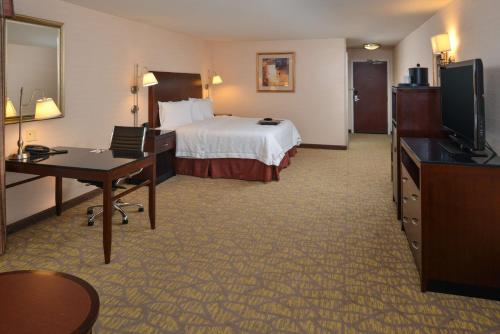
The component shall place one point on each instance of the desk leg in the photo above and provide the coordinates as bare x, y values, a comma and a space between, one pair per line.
152, 195
107, 216
58, 195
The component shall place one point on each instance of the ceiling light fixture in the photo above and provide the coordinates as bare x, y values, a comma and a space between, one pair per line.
371, 46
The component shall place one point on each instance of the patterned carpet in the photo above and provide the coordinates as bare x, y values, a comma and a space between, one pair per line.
318, 252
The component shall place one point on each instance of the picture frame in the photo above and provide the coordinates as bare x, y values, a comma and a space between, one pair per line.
276, 72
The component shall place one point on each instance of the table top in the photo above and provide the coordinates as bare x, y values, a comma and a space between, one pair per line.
46, 302
429, 150
85, 158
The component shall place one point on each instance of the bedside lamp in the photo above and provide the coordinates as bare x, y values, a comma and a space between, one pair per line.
148, 79
10, 111
217, 80
441, 46
45, 108
214, 80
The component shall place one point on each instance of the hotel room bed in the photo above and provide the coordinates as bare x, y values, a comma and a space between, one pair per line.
224, 146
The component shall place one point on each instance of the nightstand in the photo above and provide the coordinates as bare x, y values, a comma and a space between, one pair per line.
161, 143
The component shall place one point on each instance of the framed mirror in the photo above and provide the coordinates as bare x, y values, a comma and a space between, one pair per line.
34, 61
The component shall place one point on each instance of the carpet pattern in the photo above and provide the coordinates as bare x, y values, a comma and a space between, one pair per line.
318, 252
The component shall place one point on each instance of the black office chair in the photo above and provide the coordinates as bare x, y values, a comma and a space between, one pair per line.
126, 141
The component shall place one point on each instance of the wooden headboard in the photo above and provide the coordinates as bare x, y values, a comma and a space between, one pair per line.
172, 87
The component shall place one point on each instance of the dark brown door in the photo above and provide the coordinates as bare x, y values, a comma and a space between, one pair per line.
370, 97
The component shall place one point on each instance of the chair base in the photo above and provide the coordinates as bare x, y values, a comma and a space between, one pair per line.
117, 206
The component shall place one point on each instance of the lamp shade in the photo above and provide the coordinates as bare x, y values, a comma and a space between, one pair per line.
440, 43
149, 79
46, 108
216, 80
10, 111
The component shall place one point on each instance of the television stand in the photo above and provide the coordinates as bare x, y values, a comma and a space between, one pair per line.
458, 150
451, 215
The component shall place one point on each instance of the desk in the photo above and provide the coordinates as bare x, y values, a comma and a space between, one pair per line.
81, 163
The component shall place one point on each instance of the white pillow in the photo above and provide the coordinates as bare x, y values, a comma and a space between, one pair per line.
202, 109
175, 114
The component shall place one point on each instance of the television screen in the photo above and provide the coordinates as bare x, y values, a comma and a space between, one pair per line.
462, 101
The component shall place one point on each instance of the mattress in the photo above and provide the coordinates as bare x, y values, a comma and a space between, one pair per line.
236, 137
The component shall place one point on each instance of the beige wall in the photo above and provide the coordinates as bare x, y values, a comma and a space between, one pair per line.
383, 54
473, 26
100, 51
318, 106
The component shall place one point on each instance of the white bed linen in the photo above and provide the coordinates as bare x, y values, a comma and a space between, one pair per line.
236, 137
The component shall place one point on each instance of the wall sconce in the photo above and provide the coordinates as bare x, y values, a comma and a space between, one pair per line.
441, 46
10, 110
148, 79
45, 108
213, 79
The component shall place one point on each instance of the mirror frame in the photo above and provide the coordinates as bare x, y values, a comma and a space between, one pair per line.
47, 23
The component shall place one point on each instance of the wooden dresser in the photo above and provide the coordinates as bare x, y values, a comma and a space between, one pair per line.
416, 112
451, 218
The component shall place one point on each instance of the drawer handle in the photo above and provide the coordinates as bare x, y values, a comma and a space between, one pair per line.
414, 244
165, 145
414, 197
414, 221
405, 179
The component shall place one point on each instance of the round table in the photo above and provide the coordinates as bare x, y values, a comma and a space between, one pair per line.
34, 301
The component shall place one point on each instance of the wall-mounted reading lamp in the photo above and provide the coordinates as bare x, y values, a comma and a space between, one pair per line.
213, 79
148, 79
45, 108
441, 46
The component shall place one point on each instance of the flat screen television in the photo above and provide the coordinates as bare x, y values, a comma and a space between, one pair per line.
462, 103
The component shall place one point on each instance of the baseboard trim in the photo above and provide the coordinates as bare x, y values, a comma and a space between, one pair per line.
50, 212
324, 147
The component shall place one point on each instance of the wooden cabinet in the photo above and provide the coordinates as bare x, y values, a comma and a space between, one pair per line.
416, 112
451, 215
161, 143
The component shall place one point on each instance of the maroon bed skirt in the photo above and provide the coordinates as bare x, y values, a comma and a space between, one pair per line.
229, 168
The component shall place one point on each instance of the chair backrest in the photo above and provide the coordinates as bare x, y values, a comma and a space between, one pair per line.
128, 138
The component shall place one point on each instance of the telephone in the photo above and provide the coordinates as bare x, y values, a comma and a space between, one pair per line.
39, 150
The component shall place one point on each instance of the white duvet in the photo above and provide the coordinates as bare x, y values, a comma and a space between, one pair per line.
236, 137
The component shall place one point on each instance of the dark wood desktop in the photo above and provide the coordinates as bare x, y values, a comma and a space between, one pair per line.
451, 217
82, 163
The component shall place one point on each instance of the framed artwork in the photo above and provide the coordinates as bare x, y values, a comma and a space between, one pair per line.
276, 72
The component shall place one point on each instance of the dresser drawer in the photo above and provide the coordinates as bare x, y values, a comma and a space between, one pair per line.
412, 215
164, 143
415, 244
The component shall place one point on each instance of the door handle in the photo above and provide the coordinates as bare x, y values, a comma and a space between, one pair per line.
356, 98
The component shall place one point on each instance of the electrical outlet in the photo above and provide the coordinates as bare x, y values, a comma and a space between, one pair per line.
29, 135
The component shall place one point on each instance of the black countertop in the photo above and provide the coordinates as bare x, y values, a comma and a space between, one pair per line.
429, 150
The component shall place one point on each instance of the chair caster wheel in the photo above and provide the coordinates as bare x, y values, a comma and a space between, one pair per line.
124, 221
90, 223
141, 210
90, 211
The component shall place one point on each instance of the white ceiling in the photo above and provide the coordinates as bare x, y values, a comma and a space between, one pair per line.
383, 21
